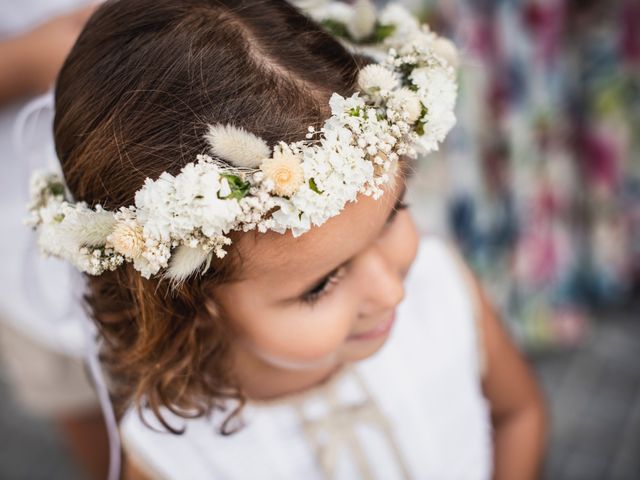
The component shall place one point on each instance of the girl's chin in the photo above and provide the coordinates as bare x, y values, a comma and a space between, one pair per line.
292, 363
361, 350
352, 350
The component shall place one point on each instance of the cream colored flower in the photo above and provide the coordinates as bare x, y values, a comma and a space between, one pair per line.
127, 239
445, 48
284, 169
363, 21
405, 100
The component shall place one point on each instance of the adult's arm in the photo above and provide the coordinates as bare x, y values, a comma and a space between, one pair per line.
29, 63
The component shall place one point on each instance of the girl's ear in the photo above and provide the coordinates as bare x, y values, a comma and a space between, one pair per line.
212, 311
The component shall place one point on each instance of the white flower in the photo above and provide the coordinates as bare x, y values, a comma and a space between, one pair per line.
363, 20
289, 217
420, 77
374, 78
199, 200
415, 42
398, 16
337, 11
284, 169
341, 107
240, 148
405, 100
146, 268
127, 239
154, 257
446, 49
437, 90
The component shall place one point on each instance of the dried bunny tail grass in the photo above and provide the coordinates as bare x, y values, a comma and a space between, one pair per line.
237, 146
186, 261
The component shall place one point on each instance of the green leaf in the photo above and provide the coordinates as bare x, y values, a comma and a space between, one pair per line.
239, 188
407, 68
355, 112
339, 29
381, 32
57, 188
335, 28
405, 71
421, 124
314, 187
58, 218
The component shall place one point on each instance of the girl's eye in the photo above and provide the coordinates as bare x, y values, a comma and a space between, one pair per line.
325, 286
400, 205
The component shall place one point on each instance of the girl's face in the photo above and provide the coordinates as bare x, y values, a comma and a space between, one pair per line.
328, 296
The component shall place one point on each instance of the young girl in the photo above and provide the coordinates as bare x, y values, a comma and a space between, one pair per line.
265, 306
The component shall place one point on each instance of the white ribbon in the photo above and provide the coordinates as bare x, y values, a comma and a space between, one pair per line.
34, 290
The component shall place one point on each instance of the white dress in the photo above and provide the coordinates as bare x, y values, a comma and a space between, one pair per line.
413, 410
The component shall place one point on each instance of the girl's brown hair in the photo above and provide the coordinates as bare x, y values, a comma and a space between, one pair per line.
133, 100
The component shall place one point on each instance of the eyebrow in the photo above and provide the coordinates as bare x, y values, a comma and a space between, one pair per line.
321, 278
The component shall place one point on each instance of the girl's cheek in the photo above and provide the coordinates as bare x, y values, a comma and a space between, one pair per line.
412, 239
402, 241
307, 333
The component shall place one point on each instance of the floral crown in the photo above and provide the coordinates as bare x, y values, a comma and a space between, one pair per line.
179, 223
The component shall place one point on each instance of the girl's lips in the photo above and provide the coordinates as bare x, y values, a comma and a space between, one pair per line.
378, 331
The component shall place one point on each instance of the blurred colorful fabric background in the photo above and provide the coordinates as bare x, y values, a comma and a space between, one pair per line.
540, 183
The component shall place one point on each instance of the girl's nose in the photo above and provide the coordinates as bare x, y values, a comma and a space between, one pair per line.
382, 279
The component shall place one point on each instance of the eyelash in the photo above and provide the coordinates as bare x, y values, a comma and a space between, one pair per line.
324, 287
399, 206
331, 280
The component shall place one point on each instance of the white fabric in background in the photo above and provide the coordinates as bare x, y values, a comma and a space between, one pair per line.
36, 294
426, 380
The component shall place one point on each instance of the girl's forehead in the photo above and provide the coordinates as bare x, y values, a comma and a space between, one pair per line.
272, 256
